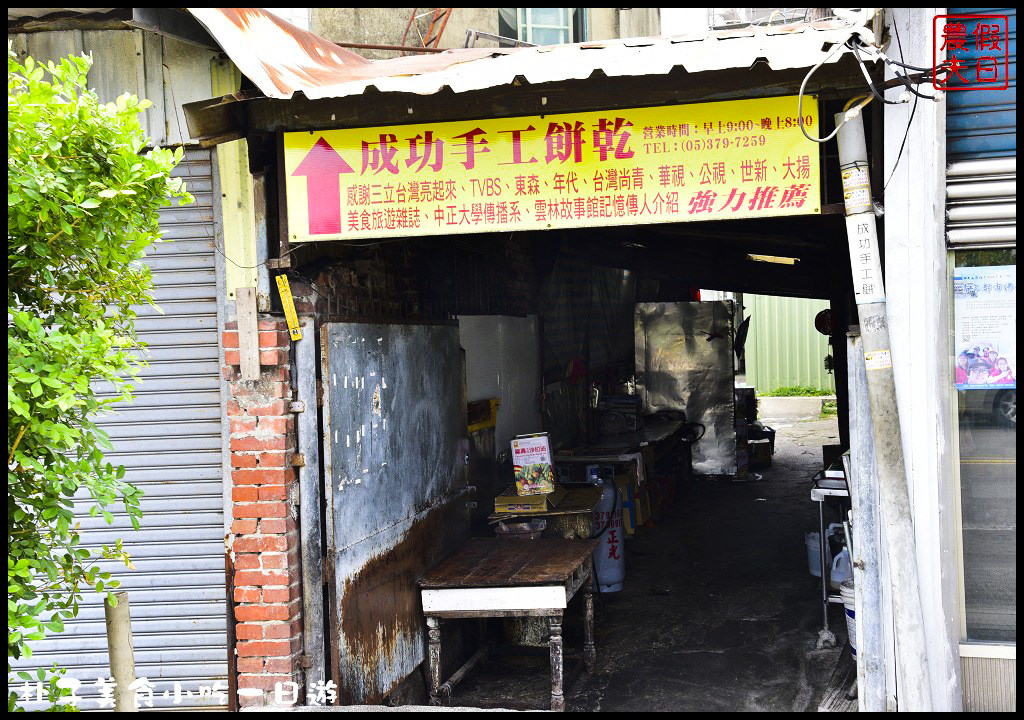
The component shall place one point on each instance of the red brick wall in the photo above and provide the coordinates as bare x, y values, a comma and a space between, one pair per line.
264, 539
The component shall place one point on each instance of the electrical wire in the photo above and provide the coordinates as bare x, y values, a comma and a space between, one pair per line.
910, 86
850, 102
913, 110
903, 64
856, 45
691, 427
803, 86
867, 77
188, 170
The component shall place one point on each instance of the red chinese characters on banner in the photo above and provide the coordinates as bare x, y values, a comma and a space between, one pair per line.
971, 52
564, 144
517, 145
471, 144
380, 155
422, 153
592, 168
612, 136
564, 141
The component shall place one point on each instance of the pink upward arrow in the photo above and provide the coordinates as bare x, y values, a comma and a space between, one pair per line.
322, 166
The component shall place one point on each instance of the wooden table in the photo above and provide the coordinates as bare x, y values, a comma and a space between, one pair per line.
488, 577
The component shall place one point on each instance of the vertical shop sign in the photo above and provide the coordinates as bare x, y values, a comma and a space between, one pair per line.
867, 264
985, 327
677, 163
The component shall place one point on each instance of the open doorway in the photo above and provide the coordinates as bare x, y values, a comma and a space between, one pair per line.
719, 608
584, 335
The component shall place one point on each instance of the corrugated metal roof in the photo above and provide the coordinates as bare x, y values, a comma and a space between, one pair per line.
20, 13
282, 59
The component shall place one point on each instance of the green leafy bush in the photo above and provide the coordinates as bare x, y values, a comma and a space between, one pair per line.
797, 391
828, 409
81, 210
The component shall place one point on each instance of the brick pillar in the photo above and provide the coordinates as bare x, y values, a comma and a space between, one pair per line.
264, 539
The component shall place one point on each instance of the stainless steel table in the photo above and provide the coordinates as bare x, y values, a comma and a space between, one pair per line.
825, 488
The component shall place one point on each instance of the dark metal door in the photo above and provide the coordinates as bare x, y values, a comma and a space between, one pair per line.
395, 449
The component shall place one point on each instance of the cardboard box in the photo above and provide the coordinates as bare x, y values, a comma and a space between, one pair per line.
636, 501
531, 460
511, 501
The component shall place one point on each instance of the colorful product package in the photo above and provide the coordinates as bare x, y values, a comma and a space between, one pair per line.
531, 458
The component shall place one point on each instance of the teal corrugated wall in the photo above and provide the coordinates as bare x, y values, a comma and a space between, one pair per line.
783, 349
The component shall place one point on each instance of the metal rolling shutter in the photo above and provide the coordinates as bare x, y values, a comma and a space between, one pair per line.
983, 123
981, 147
981, 197
981, 202
169, 441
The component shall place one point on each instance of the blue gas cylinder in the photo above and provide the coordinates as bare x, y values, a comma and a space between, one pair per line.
610, 555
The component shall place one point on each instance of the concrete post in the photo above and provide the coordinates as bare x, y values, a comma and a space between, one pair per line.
867, 538
919, 307
122, 655
912, 658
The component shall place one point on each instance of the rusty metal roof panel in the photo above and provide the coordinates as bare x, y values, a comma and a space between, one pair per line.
282, 59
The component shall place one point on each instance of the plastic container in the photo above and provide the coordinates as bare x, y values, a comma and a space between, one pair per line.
813, 550
846, 590
520, 531
842, 570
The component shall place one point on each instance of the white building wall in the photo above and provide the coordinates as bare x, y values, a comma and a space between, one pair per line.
683, 21
502, 361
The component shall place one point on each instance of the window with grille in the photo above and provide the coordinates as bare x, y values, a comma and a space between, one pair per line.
543, 26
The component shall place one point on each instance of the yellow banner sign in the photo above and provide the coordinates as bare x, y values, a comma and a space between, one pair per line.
677, 163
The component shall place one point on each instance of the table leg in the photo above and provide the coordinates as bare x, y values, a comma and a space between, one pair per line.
822, 551
826, 639
589, 651
434, 647
555, 648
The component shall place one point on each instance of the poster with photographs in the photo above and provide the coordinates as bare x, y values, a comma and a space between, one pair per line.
985, 327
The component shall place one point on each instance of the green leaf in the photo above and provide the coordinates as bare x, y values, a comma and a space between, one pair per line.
74, 279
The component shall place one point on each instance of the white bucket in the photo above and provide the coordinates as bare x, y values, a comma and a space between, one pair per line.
849, 605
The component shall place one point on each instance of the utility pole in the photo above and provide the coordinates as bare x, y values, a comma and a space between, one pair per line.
121, 652
908, 617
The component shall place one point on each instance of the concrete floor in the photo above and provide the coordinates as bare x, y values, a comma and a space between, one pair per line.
718, 612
